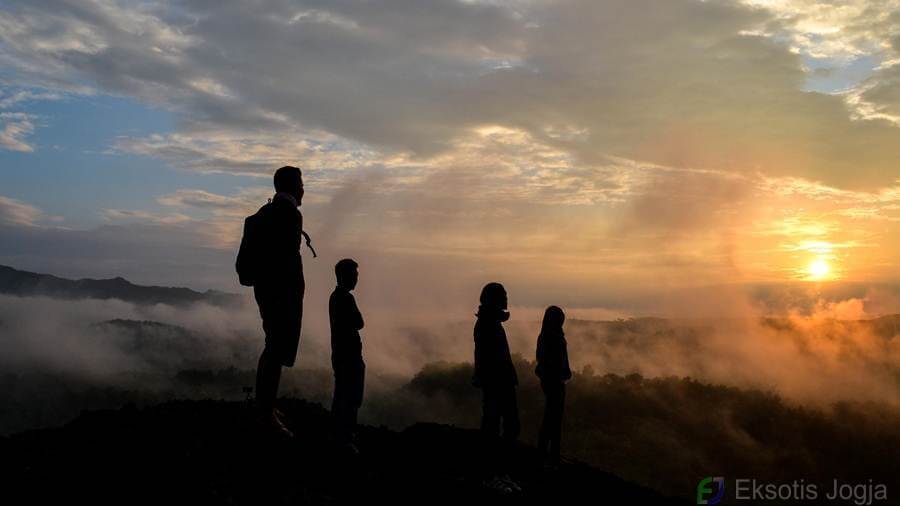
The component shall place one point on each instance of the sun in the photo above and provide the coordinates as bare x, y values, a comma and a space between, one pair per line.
818, 269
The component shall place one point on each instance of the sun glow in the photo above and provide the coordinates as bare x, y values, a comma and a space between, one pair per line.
818, 270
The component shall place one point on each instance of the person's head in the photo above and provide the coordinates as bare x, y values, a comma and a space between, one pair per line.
494, 295
347, 273
289, 180
553, 320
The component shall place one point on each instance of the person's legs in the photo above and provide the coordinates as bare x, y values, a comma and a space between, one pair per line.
555, 404
344, 406
544, 434
268, 376
490, 459
490, 412
358, 379
504, 402
268, 370
339, 407
559, 419
510, 413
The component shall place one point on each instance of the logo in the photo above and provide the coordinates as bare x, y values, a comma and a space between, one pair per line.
704, 489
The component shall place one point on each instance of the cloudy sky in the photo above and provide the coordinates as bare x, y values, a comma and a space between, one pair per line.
584, 152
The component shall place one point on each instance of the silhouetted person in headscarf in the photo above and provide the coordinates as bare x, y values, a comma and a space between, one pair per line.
553, 370
346, 353
269, 260
494, 371
495, 375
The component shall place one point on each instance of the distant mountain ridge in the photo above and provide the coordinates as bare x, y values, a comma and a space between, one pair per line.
24, 283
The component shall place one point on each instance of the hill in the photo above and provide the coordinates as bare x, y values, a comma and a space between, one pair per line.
24, 283
208, 453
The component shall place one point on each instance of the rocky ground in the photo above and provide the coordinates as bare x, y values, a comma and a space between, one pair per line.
209, 452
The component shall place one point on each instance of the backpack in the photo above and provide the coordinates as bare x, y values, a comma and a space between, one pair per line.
250, 254
250, 258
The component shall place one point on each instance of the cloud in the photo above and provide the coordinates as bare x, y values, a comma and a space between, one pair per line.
143, 216
578, 150
65, 337
242, 153
202, 199
24, 96
14, 212
14, 128
821, 356
880, 95
700, 85
823, 353
834, 31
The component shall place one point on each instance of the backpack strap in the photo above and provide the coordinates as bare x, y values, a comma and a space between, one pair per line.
305, 236
309, 243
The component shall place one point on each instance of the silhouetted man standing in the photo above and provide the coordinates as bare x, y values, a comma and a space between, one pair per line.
346, 352
269, 260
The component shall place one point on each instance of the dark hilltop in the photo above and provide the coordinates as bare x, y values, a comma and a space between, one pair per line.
205, 452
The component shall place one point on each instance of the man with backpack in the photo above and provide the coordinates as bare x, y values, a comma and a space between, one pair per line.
269, 261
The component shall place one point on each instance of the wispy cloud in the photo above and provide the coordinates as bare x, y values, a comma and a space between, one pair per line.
14, 212
15, 127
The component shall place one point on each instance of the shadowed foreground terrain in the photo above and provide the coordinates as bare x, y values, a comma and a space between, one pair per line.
205, 452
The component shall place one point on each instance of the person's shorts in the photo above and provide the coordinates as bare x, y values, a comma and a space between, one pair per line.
282, 317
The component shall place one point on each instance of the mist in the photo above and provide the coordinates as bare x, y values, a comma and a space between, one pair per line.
814, 353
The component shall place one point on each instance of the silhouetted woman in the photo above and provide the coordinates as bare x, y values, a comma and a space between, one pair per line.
553, 370
494, 371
